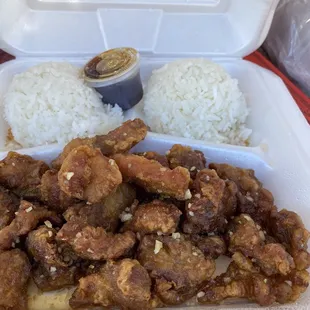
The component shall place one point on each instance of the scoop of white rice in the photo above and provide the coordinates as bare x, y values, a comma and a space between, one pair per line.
197, 99
50, 103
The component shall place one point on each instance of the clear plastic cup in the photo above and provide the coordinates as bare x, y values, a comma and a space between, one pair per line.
115, 74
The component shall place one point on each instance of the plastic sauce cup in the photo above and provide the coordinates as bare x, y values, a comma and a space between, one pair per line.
115, 74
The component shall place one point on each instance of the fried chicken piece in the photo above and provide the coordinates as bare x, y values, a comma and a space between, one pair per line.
244, 235
9, 204
289, 229
248, 238
154, 217
178, 268
27, 218
41, 245
88, 175
14, 274
120, 140
206, 212
162, 159
52, 195
210, 246
22, 175
124, 284
253, 199
153, 177
184, 156
95, 243
235, 283
105, 214
47, 280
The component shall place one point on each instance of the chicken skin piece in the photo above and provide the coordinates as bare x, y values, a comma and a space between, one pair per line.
9, 204
120, 140
178, 268
94, 243
213, 201
52, 195
184, 156
27, 218
88, 175
22, 175
153, 177
14, 274
253, 199
162, 159
289, 229
105, 214
124, 284
210, 246
154, 217
247, 237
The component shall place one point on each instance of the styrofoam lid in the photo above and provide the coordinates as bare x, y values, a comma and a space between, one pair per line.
225, 28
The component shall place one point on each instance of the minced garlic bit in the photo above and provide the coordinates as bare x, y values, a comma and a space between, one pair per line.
50, 233
16, 213
193, 168
176, 235
78, 235
191, 213
195, 254
198, 196
159, 233
53, 269
265, 280
90, 250
29, 209
207, 178
91, 266
13, 164
111, 162
88, 203
13, 244
17, 240
69, 175
163, 169
125, 217
201, 294
48, 224
158, 246
189, 205
188, 195
230, 233
226, 222
248, 218
262, 235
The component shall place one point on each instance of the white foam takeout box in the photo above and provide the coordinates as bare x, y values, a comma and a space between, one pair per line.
163, 30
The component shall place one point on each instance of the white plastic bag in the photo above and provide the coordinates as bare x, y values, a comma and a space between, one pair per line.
288, 43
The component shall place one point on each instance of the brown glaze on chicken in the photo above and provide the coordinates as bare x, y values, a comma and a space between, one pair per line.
120, 140
153, 177
88, 175
22, 175
125, 284
156, 217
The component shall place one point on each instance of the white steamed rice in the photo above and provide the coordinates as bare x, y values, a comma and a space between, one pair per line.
50, 103
197, 99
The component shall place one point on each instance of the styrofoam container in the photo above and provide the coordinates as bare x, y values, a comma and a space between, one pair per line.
163, 30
